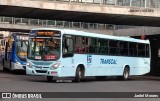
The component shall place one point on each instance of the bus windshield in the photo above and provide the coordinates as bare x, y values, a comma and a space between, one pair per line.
21, 49
44, 48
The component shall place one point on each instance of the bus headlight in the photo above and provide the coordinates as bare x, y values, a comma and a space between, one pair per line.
17, 62
55, 66
29, 65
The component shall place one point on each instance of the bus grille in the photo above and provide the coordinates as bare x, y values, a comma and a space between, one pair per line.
41, 63
45, 67
41, 71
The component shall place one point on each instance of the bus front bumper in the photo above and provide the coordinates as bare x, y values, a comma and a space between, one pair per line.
16, 66
42, 72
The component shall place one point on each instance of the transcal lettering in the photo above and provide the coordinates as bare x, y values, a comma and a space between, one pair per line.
108, 61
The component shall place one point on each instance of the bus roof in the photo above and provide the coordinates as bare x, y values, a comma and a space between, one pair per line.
96, 35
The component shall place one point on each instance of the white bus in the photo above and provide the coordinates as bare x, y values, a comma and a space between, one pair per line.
70, 53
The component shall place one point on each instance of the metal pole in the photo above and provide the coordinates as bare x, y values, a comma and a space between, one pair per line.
80, 24
130, 3
3, 19
55, 22
72, 25
114, 29
145, 4
116, 2
68, 24
12, 21
63, 23
46, 22
38, 23
21, 21
101, 2
29, 21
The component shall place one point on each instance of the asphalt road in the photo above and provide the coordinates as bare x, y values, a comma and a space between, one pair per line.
19, 82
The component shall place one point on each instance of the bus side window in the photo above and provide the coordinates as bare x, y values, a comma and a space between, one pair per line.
93, 45
80, 44
77, 48
113, 47
141, 50
147, 50
77, 44
102, 46
123, 48
67, 47
133, 49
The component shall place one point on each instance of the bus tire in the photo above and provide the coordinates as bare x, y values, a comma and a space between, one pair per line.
79, 74
125, 75
49, 78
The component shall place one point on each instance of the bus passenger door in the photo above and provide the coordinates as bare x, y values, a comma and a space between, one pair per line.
67, 54
7, 56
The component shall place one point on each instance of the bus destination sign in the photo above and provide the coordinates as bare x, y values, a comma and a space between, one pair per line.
48, 33
40, 33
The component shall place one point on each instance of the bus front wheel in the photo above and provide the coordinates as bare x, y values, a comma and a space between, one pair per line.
49, 78
79, 74
125, 75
